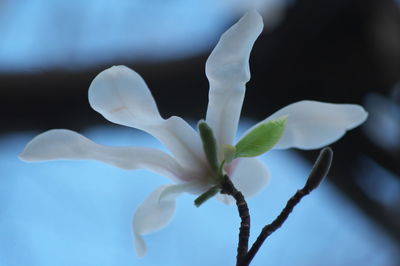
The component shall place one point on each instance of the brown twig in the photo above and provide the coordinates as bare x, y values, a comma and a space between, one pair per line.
319, 171
228, 188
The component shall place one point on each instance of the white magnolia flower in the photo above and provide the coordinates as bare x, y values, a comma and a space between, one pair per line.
122, 97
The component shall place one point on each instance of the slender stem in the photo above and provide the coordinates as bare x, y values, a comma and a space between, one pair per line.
319, 171
228, 188
269, 229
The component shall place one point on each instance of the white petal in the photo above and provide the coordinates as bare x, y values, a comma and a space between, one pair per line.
182, 140
249, 175
156, 212
312, 124
172, 191
122, 97
59, 144
227, 70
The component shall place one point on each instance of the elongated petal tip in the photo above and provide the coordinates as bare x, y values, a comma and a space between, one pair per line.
156, 211
121, 96
358, 116
140, 246
254, 18
152, 215
228, 61
56, 144
25, 157
22, 157
29, 153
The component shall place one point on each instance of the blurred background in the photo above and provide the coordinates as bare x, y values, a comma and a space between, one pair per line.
79, 213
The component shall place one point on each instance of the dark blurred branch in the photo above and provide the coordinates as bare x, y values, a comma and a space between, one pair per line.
335, 50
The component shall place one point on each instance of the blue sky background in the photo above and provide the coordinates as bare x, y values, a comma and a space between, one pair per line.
79, 213
39, 34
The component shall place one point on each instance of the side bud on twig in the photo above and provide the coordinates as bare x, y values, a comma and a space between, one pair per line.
319, 170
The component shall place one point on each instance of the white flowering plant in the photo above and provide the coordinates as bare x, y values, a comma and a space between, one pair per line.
203, 162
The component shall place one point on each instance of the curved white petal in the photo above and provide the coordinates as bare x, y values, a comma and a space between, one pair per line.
58, 144
122, 97
249, 175
156, 212
312, 124
182, 140
189, 187
227, 70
